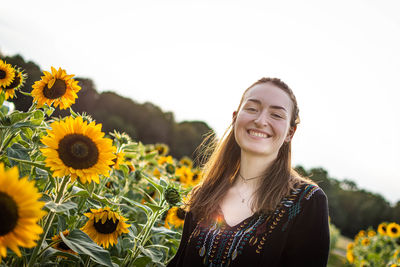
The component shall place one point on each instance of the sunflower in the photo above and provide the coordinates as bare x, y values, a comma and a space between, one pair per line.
20, 211
175, 217
197, 176
57, 87
185, 175
157, 173
17, 83
186, 161
162, 149
371, 233
350, 256
79, 149
393, 230
360, 234
163, 160
61, 245
350, 246
118, 160
7, 74
382, 228
366, 241
105, 226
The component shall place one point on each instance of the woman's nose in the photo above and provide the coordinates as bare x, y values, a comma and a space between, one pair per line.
262, 119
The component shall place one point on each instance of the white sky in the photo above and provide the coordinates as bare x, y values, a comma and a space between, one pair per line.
195, 58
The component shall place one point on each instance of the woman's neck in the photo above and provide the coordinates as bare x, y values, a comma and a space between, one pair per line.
252, 168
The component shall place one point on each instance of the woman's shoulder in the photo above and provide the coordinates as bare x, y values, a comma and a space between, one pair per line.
308, 191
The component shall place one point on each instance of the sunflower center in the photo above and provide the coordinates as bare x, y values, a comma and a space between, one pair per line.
394, 230
59, 88
63, 246
2, 74
8, 214
180, 213
78, 151
14, 83
106, 228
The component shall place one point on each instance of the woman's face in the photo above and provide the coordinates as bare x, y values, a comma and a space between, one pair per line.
263, 121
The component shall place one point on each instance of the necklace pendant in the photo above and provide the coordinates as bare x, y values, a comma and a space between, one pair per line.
242, 200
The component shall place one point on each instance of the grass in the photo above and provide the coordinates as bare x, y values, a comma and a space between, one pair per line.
337, 257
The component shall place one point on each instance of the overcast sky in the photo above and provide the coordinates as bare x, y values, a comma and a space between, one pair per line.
195, 58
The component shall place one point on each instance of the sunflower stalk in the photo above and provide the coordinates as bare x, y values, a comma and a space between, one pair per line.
144, 235
48, 223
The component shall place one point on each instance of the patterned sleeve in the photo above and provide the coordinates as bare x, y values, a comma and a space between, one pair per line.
187, 230
308, 240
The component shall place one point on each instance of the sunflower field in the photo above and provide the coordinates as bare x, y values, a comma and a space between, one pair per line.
72, 195
376, 248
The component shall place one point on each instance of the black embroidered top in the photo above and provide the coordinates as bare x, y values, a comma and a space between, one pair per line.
295, 234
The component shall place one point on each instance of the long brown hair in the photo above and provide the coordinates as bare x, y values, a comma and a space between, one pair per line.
224, 163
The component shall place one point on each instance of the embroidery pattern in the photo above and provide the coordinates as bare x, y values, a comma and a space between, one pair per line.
220, 244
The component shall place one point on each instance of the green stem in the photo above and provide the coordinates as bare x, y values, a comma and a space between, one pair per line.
87, 262
144, 235
49, 220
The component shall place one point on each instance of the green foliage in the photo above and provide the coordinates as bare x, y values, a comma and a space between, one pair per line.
131, 190
346, 201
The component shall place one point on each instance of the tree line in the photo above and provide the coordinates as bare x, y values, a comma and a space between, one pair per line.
350, 208
145, 122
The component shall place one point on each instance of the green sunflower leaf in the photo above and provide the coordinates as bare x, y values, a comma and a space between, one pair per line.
155, 254
54, 207
146, 209
81, 243
17, 152
142, 261
153, 207
17, 116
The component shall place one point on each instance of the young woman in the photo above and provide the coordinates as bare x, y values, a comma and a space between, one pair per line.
252, 208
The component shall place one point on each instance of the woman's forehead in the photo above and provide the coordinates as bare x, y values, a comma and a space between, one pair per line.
268, 94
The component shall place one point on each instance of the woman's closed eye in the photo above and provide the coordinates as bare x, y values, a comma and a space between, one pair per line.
252, 109
275, 115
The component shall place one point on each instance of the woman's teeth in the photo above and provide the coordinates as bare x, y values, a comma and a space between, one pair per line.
258, 134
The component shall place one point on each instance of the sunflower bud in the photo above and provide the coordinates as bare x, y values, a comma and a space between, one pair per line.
170, 168
172, 196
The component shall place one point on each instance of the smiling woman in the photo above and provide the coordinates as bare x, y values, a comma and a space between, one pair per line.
252, 208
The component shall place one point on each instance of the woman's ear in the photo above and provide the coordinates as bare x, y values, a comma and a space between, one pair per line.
290, 134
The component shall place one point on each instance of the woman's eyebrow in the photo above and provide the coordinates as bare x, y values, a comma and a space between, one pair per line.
254, 100
277, 107
259, 102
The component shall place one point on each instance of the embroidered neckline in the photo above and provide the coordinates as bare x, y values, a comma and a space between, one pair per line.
219, 244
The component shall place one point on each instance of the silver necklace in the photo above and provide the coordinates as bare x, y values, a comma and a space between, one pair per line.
248, 179
243, 199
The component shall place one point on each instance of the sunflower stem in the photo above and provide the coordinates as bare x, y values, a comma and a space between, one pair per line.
33, 107
87, 262
49, 220
144, 235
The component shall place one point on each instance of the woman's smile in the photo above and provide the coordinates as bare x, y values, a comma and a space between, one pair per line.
257, 133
